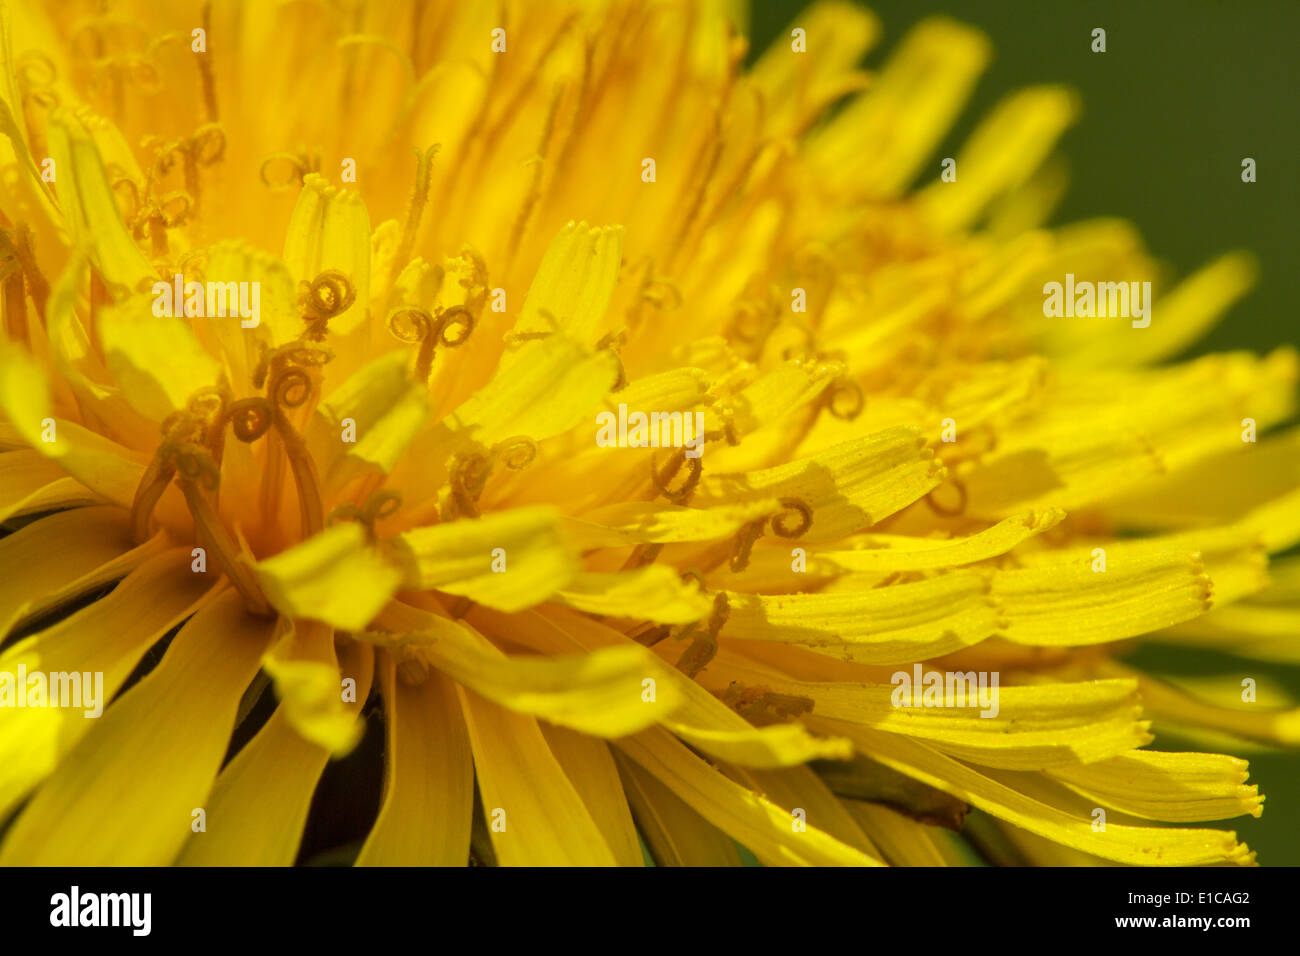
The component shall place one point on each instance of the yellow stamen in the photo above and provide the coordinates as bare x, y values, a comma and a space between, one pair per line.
329, 294
703, 167
516, 453
291, 388
476, 283
614, 341
381, 504
250, 418
974, 445
797, 506
37, 286
662, 480
654, 291
745, 539
12, 301
949, 511
301, 164
207, 80
642, 555
35, 73
209, 405
469, 475
844, 398
753, 530
415, 206
702, 650
177, 429
204, 147
289, 391
752, 325
217, 539
416, 325
460, 607
412, 670
198, 474
761, 706
538, 163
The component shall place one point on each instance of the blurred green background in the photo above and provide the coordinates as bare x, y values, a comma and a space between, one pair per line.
1185, 90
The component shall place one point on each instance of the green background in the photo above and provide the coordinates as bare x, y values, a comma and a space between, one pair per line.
1185, 90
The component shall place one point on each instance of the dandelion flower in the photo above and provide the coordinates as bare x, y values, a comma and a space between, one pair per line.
458, 233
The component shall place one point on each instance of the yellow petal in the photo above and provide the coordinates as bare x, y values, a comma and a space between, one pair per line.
1175, 709
311, 696
773, 396
151, 757
24, 394
109, 636
11, 127
1004, 151
1143, 846
1180, 318
108, 469
505, 559
646, 521
573, 283
424, 819
157, 361
889, 625
258, 806
1016, 727
701, 719
654, 593
1259, 632
902, 553
1069, 604
1232, 557
279, 315
800, 787
795, 88
89, 205
891, 128
675, 390
67, 554
674, 834
330, 230
387, 409
848, 487
535, 815
31, 483
749, 818
1218, 489
902, 840
541, 389
334, 576
601, 693
1168, 786
776, 745
589, 765
1277, 522
79, 361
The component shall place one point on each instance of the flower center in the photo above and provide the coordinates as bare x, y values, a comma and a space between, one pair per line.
193, 442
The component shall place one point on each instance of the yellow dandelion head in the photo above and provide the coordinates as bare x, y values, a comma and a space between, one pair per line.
671, 454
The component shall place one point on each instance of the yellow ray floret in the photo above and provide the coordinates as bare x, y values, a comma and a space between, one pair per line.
152, 756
